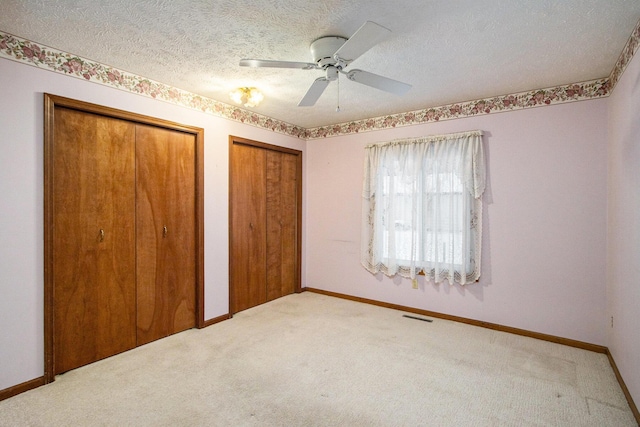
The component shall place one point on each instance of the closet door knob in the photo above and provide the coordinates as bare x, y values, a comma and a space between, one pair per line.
101, 235
251, 225
164, 232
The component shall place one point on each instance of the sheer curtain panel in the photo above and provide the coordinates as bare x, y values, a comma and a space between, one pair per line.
422, 207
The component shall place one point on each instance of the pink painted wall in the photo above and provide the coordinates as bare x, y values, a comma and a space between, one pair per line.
545, 216
21, 205
623, 250
543, 266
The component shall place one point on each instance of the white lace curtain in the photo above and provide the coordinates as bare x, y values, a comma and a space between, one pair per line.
422, 207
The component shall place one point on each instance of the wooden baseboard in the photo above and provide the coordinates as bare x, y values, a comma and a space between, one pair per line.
21, 388
494, 326
623, 386
216, 320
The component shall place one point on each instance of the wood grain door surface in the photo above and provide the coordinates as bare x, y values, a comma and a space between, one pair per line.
264, 259
166, 232
281, 187
248, 233
93, 238
124, 235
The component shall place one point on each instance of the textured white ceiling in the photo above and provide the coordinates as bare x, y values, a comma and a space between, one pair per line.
449, 50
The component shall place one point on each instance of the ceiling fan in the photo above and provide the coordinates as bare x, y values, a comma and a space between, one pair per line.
333, 54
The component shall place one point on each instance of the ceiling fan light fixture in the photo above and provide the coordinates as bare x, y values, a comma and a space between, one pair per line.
247, 96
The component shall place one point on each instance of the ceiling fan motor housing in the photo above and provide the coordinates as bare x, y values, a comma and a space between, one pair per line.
323, 49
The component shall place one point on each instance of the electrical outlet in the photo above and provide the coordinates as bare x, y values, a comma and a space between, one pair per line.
612, 321
414, 283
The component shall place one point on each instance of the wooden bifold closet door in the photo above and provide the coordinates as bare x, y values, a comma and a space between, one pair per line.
265, 202
123, 235
281, 224
165, 232
93, 238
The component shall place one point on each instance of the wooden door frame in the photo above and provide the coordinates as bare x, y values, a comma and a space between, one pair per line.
50, 104
243, 141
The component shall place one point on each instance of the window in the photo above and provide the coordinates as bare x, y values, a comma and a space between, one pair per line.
422, 207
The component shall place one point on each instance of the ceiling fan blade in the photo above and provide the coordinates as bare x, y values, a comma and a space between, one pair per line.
367, 36
314, 92
378, 82
277, 64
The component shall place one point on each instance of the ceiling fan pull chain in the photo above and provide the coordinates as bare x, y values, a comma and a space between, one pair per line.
338, 83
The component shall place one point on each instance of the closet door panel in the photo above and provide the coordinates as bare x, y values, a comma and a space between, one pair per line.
281, 224
274, 225
247, 222
289, 209
166, 232
93, 238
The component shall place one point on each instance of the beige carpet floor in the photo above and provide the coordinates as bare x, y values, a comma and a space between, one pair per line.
313, 360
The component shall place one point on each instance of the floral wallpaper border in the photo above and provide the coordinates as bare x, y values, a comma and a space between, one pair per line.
25, 51
625, 57
535, 98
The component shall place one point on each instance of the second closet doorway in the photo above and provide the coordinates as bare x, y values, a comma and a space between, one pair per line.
265, 201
